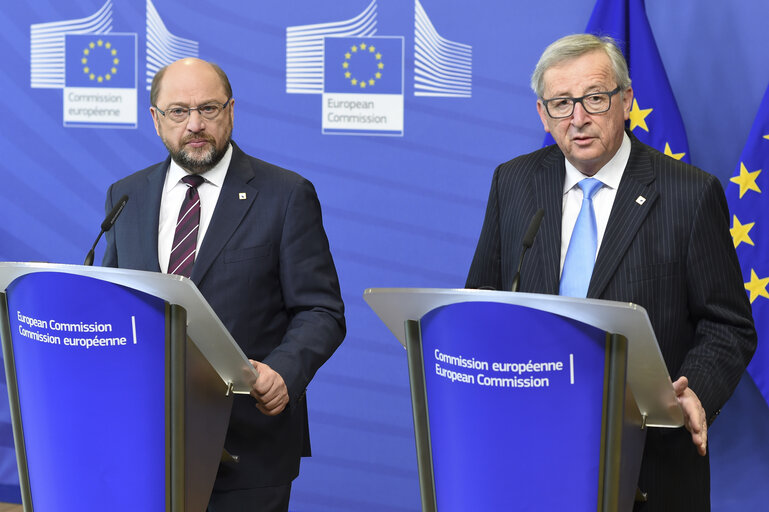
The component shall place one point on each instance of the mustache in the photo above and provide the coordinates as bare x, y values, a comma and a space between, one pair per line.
199, 136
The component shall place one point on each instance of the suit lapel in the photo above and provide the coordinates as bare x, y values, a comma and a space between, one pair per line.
228, 214
548, 191
149, 214
635, 199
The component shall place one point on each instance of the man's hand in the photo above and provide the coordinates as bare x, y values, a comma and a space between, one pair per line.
694, 414
269, 390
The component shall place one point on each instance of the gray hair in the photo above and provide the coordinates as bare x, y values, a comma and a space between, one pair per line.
577, 45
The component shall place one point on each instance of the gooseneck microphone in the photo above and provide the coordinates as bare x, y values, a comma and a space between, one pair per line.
528, 241
108, 222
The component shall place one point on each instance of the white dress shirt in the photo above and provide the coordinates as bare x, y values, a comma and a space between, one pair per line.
603, 200
174, 191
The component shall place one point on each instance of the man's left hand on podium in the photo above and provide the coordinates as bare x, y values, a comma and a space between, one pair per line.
269, 390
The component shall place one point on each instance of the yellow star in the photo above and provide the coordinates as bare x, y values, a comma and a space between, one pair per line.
741, 232
380, 65
116, 61
354, 48
638, 116
363, 46
379, 57
354, 81
371, 49
756, 286
86, 69
84, 60
371, 81
766, 136
345, 65
378, 75
114, 70
362, 84
91, 45
746, 180
347, 74
347, 55
669, 152
86, 51
114, 52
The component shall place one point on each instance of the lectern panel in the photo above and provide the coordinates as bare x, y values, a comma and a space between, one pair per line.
90, 369
514, 399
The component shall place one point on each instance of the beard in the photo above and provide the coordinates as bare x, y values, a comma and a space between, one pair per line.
201, 160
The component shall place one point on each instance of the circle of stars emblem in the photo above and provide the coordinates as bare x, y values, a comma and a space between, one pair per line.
360, 51
95, 50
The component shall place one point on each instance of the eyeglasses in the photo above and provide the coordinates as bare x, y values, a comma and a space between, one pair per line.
593, 103
208, 111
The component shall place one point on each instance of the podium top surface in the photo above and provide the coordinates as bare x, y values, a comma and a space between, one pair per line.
647, 374
203, 325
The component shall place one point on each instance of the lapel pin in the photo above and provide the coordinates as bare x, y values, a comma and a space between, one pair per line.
241, 195
640, 200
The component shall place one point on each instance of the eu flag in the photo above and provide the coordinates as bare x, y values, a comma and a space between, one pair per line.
749, 207
101, 60
363, 65
654, 117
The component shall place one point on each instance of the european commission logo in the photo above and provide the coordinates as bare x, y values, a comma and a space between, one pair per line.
363, 89
363, 85
100, 80
98, 69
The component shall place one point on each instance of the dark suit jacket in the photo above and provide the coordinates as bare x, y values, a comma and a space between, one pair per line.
266, 270
672, 254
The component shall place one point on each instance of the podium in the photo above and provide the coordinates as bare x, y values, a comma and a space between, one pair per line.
525, 401
120, 386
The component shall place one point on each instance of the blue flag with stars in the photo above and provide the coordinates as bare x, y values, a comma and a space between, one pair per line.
654, 117
749, 207
363, 65
101, 60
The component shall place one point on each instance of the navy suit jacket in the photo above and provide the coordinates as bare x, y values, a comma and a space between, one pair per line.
265, 268
670, 252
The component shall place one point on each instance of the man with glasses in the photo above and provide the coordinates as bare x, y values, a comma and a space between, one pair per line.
249, 234
624, 222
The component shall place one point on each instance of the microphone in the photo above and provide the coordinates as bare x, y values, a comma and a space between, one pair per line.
106, 225
528, 241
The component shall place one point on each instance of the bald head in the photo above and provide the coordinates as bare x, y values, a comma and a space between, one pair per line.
188, 69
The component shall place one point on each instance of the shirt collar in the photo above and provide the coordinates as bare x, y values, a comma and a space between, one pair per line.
610, 174
214, 176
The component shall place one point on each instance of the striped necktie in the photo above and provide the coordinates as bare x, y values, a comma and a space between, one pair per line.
580, 256
186, 234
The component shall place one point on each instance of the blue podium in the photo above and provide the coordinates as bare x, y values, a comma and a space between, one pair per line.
526, 401
120, 386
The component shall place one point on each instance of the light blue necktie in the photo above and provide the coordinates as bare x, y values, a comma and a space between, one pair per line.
580, 256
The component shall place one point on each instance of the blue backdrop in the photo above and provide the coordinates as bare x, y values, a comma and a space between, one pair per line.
402, 174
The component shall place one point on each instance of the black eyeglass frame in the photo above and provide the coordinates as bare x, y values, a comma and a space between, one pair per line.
574, 102
190, 109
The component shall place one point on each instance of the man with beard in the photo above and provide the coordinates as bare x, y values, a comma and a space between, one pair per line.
249, 235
